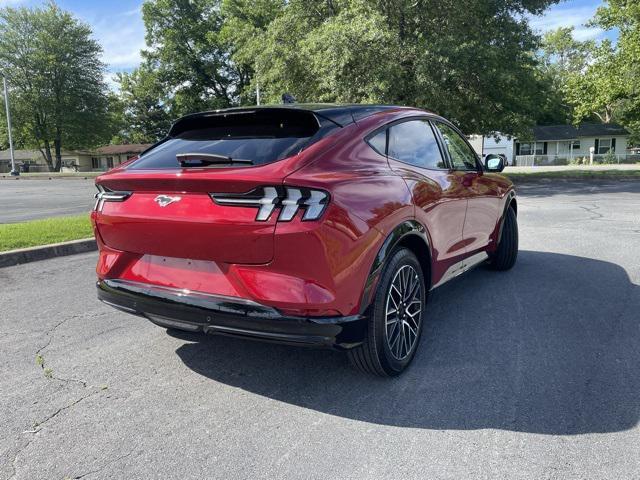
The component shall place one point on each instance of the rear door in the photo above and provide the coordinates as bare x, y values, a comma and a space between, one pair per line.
206, 192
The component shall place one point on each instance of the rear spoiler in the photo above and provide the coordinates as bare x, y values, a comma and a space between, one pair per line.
194, 120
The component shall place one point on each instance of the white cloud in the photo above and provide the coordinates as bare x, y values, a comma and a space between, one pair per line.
564, 15
121, 37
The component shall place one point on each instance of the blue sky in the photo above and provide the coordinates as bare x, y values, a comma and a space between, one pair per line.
117, 25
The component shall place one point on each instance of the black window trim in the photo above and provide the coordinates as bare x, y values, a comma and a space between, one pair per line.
443, 154
479, 169
374, 133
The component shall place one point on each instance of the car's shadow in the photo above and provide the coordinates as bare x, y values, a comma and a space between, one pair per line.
552, 347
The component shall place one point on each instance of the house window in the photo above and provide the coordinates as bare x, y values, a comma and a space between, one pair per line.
575, 145
604, 146
526, 148
109, 162
95, 163
535, 148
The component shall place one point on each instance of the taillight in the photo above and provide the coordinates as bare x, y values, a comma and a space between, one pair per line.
106, 195
288, 199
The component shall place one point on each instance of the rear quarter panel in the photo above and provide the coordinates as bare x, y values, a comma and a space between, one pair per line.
368, 200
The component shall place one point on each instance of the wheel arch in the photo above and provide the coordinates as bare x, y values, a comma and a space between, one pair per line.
410, 234
511, 202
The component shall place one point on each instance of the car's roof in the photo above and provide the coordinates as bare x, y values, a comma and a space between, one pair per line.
341, 114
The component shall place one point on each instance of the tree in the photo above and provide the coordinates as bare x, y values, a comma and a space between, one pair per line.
144, 106
561, 58
619, 66
563, 53
56, 78
184, 44
599, 89
471, 61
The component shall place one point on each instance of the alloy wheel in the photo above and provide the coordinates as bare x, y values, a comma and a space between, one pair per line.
403, 312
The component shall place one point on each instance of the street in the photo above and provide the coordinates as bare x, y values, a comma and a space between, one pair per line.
24, 200
529, 374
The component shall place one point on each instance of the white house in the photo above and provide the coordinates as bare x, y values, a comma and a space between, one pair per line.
565, 144
561, 145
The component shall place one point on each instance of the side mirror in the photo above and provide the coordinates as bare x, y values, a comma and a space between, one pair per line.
494, 163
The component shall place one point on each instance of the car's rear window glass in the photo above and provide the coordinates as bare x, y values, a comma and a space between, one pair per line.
259, 136
379, 142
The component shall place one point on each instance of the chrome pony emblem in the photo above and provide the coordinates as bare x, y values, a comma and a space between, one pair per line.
164, 200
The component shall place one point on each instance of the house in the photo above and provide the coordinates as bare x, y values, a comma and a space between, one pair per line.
110, 156
565, 144
33, 161
98, 160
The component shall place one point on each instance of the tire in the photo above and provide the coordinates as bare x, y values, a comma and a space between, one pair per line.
382, 353
505, 255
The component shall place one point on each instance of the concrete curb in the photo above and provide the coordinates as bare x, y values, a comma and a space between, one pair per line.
33, 254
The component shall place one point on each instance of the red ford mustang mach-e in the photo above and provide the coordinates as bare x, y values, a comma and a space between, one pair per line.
321, 225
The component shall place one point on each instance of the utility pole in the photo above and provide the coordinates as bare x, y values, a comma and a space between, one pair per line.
257, 92
14, 172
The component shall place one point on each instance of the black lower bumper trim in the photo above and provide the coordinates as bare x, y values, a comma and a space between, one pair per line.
220, 315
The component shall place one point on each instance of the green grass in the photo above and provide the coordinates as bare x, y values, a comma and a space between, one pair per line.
44, 232
575, 175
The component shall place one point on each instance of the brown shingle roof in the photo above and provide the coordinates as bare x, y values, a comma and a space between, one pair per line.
123, 149
569, 132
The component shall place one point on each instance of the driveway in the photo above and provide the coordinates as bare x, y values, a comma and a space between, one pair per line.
23, 200
528, 374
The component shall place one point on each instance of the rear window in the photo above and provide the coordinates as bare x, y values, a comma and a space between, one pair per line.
262, 136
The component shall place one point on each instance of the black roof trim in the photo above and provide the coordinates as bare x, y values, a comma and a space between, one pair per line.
570, 132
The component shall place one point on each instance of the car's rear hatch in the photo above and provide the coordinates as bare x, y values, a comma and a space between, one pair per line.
161, 205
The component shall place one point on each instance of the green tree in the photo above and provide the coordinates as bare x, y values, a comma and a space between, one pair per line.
561, 59
563, 53
245, 23
143, 105
471, 61
619, 66
184, 44
59, 98
598, 90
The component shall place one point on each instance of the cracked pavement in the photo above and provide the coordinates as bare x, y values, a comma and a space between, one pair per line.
528, 374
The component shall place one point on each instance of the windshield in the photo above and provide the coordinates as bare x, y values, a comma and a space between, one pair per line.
259, 136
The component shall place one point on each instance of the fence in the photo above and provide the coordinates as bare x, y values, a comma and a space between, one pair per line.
548, 160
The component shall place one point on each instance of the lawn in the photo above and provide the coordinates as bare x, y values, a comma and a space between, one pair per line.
44, 232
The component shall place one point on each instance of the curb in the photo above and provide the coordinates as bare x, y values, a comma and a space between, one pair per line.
34, 254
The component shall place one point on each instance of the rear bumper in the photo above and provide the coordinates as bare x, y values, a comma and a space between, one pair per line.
232, 316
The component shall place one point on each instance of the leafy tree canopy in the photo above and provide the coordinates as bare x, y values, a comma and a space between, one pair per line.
56, 79
472, 61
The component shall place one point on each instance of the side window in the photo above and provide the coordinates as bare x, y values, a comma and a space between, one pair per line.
379, 142
462, 155
414, 142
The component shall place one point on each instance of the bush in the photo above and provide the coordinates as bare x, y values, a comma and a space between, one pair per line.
610, 158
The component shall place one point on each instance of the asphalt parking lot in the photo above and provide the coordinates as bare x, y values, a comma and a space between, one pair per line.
30, 199
528, 374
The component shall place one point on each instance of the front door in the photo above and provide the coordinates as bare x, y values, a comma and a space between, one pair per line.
481, 191
440, 201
